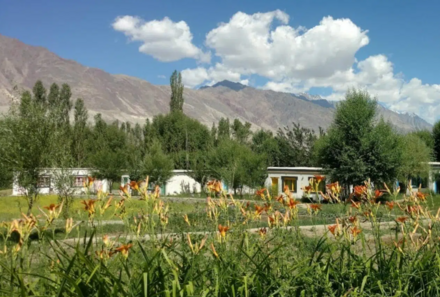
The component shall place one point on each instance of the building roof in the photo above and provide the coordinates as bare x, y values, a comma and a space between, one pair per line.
294, 168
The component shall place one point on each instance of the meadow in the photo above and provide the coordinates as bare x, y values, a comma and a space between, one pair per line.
221, 246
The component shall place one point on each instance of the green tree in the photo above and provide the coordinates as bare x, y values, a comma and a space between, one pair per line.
436, 136
354, 148
415, 157
176, 103
80, 133
28, 132
241, 132
427, 137
157, 165
263, 142
296, 145
236, 164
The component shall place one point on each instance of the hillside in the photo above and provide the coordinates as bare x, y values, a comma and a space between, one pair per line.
132, 99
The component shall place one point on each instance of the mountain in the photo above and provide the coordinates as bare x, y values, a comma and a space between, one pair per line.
132, 99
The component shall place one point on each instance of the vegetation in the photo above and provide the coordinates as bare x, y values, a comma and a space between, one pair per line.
369, 249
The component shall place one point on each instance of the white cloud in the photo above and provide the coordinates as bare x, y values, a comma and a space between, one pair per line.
164, 39
161, 76
292, 59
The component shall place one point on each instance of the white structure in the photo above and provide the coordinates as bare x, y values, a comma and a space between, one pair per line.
296, 178
50, 177
182, 182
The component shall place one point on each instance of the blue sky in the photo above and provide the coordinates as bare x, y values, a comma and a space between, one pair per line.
405, 34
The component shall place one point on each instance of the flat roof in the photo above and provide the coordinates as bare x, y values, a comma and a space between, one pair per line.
295, 168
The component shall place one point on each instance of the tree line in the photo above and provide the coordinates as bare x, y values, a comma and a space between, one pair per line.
49, 129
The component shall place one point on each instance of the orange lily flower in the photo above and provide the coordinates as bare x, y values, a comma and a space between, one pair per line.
355, 231
390, 205
259, 209
378, 194
262, 232
308, 189
421, 196
52, 207
355, 205
319, 178
315, 207
134, 185
89, 206
280, 199
223, 230
292, 203
123, 249
260, 192
359, 190
332, 229
352, 219
402, 219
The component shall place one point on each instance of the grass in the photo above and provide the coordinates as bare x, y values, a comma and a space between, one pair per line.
283, 258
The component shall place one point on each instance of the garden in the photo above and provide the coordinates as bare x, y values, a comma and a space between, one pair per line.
221, 246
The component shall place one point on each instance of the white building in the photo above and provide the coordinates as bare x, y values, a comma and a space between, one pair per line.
296, 178
50, 177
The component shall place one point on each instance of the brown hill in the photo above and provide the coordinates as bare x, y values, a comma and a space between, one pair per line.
131, 99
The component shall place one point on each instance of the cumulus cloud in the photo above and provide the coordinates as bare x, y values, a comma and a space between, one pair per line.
164, 39
292, 59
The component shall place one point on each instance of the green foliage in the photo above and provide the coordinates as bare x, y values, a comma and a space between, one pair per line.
436, 136
176, 102
415, 157
236, 164
356, 148
296, 145
157, 165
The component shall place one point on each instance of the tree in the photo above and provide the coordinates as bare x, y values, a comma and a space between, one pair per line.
427, 137
415, 157
28, 132
436, 136
80, 133
356, 149
157, 165
241, 132
236, 164
224, 129
263, 142
176, 103
296, 145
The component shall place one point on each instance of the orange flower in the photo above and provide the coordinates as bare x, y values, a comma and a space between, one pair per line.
319, 178
390, 205
355, 231
421, 196
352, 219
106, 240
124, 189
108, 203
280, 199
52, 207
308, 189
134, 185
378, 194
335, 188
292, 203
262, 232
286, 190
259, 209
402, 219
89, 206
157, 191
260, 192
332, 229
123, 249
315, 207
359, 190
223, 230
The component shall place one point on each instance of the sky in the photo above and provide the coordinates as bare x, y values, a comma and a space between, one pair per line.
322, 47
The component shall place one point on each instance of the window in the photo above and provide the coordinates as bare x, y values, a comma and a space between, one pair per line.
44, 181
290, 182
78, 181
321, 187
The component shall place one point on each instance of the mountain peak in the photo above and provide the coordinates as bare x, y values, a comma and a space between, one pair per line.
227, 84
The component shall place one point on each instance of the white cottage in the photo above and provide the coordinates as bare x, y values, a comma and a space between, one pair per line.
296, 178
50, 176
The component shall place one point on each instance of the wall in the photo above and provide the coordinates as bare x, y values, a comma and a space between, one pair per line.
181, 182
302, 181
54, 173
